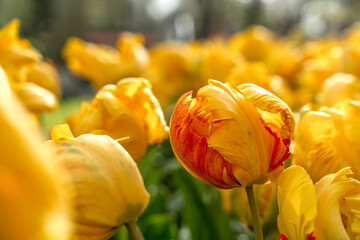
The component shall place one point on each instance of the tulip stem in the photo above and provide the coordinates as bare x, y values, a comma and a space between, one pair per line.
254, 213
134, 230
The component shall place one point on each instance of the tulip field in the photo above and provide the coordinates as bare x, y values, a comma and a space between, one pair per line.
247, 136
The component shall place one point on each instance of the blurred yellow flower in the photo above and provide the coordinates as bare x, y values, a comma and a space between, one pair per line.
339, 87
102, 64
31, 204
216, 61
328, 140
104, 185
284, 59
127, 109
258, 74
328, 210
254, 44
230, 137
34, 80
350, 60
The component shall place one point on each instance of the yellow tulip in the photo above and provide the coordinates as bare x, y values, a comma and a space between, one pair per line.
171, 70
14, 50
254, 44
328, 210
216, 61
339, 87
258, 74
127, 109
328, 140
102, 64
31, 204
230, 137
34, 80
104, 185
351, 52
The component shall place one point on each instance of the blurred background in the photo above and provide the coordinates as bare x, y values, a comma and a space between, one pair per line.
48, 23
181, 207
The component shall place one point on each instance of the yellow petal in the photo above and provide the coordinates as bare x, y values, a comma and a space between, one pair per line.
61, 131
339, 87
268, 102
30, 199
36, 98
338, 201
297, 203
315, 147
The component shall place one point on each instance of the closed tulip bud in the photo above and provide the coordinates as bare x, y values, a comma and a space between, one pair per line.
104, 186
31, 203
230, 137
127, 109
328, 210
328, 140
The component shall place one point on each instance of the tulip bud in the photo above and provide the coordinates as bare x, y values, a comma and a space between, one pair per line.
127, 109
105, 188
230, 137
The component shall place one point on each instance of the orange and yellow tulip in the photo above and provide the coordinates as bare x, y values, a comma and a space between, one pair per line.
231, 137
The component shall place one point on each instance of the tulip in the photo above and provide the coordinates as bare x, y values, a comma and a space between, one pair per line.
327, 140
254, 44
13, 49
104, 186
102, 64
127, 109
31, 203
337, 88
171, 70
34, 80
328, 210
258, 74
231, 137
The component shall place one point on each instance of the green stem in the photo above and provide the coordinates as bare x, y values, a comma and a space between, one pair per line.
254, 213
134, 230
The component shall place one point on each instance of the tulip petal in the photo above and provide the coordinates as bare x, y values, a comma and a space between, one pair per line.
268, 102
297, 203
338, 200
